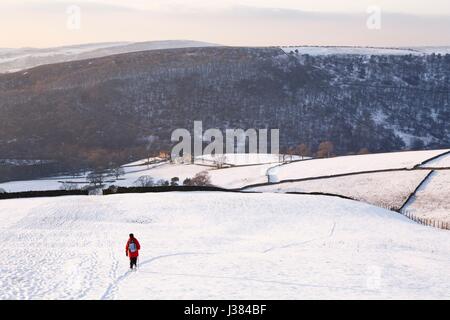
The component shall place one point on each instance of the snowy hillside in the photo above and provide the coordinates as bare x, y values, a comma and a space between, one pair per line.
385, 180
216, 246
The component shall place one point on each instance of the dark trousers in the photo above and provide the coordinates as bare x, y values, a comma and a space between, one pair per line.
133, 262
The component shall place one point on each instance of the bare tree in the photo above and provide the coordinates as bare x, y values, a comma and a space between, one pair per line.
363, 151
95, 178
175, 181
144, 181
118, 172
219, 160
291, 152
162, 183
325, 150
303, 150
68, 186
201, 179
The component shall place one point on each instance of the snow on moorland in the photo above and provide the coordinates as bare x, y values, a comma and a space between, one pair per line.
217, 246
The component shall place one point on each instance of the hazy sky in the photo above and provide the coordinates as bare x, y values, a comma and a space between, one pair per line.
42, 23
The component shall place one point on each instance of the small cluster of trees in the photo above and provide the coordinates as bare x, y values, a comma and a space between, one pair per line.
95, 179
148, 181
69, 186
325, 150
200, 179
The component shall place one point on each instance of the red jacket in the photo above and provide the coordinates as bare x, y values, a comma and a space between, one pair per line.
127, 250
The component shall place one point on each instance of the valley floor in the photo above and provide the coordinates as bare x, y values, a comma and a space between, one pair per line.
217, 246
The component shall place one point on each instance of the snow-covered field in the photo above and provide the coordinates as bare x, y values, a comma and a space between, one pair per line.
441, 162
350, 164
217, 246
244, 159
432, 200
383, 189
239, 177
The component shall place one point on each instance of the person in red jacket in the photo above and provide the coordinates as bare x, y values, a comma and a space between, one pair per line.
132, 250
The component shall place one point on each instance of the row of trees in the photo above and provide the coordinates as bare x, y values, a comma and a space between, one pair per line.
324, 150
97, 179
200, 179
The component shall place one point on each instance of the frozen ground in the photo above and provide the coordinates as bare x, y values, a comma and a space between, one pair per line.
217, 246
